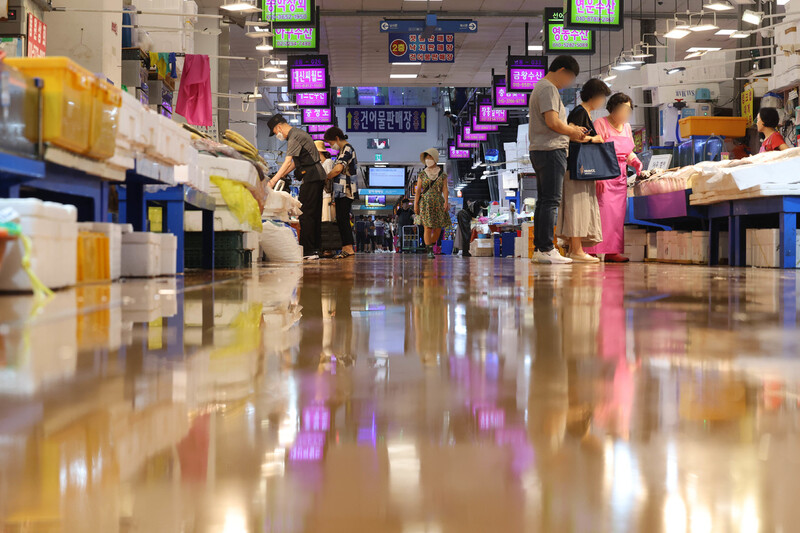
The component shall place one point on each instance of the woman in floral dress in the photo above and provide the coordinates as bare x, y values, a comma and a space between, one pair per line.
431, 200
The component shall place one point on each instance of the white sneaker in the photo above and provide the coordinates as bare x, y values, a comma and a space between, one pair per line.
550, 258
314, 257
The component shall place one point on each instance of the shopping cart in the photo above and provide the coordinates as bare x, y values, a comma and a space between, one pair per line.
411, 239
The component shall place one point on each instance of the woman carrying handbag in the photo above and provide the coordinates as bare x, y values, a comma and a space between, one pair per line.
431, 198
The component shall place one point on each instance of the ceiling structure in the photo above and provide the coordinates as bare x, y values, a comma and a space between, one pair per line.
358, 51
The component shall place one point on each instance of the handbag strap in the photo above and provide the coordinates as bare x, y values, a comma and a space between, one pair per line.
432, 183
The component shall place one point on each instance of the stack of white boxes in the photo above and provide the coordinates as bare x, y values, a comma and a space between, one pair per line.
686, 247
764, 248
700, 247
635, 244
523, 245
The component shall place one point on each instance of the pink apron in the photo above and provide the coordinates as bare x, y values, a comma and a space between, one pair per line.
613, 200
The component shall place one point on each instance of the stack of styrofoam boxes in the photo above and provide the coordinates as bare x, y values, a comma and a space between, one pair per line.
114, 234
170, 142
169, 253
651, 250
700, 247
192, 173
141, 254
635, 244
523, 245
764, 248
53, 231
786, 68
684, 249
129, 133
674, 246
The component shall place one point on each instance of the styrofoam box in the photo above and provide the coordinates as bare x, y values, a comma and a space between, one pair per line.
767, 250
652, 246
700, 247
149, 130
223, 221
634, 253
521, 247
251, 240
171, 142
53, 231
635, 237
141, 254
750, 238
683, 251
226, 167
169, 254
130, 120
114, 234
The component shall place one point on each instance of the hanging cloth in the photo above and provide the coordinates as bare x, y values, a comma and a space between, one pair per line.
194, 96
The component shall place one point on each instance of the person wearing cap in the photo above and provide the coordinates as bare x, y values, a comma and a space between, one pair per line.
303, 158
432, 198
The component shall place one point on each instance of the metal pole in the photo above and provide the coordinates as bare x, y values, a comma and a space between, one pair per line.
526, 38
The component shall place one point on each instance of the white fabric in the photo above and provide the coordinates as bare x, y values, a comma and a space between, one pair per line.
279, 244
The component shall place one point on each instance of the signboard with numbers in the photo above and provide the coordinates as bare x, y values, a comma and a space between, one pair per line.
313, 99
484, 128
747, 105
503, 99
298, 39
317, 116
37, 37
559, 39
387, 120
318, 136
594, 14
287, 11
487, 114
469, 136
457, 153
524, 72
308, 73
319, 128
413, 48
462, 144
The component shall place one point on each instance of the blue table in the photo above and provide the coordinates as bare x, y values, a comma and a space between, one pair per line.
722, 210
786, 207
15, 170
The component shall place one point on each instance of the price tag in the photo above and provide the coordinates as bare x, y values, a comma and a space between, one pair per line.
792, 94
660, 162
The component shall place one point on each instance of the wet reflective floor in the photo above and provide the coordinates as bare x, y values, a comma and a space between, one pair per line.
389, 394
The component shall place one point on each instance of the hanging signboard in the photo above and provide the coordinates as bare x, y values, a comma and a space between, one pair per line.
317, 116
465, 145
303, 37
308, 73
457, 153
313, 99
559, 39
594, 14
416, 48
421, 25
502, 99
318, 136
747, 105
288, 11
524, 72
387, 120
319, 128
469, 136
487, 114
484, 128
37, 37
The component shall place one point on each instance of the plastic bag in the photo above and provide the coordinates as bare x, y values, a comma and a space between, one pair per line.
240, 201
280, 205
280, 244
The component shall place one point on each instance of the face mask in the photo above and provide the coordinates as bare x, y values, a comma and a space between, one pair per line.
281, 137
430, 162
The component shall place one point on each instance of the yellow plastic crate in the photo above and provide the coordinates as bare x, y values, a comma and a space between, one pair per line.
105, 119
721, 126
68, 95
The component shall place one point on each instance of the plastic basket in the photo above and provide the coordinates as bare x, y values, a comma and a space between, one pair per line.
720, 126
105, 120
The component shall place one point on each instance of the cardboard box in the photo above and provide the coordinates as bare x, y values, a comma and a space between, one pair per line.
766, 249
482, 248
683, 248
700, 247
652, 245
635, 237
749, 244
635, 253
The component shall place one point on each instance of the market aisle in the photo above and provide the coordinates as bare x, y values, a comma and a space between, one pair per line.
389, 394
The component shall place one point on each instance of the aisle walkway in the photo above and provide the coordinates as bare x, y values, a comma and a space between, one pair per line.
389, 394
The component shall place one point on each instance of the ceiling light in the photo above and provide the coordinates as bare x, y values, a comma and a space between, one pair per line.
403, 76
704, 27
782, 2
281, 62
535, 47
677, 34
683, 26
270, 68
287, 104
740, 35
631, 62
290, 112
725, 32
274, 79
240, 6
264, 47
623, 66
694, 55
752, 17
704, 49
282, 75
609, 78
718, 5
675, 70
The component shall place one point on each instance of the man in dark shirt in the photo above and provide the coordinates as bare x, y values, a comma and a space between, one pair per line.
302, 156
362, 234
471, 210
405, 217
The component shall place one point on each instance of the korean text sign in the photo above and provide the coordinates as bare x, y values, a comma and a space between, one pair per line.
524, 72
487, 114
560, 39
413, 48
502, 98
308, 73
305, 38
387, 120
594, 14
457, 153
317, 116
312, 99
287, 10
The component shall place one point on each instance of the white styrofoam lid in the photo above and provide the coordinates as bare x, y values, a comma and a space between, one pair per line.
26, 207
62, 212
127, 228
140, 237
168, 239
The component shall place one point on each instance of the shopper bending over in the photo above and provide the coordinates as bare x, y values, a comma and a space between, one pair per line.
464, 217
302, 156
344, 176
431, 198
612, 195
767, 124
549, 135
579, 216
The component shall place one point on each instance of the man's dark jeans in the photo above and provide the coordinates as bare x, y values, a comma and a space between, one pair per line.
550, 167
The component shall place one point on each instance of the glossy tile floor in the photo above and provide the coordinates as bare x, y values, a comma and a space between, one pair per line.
388, 394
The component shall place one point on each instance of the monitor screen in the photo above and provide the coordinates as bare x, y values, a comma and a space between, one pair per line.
387, 177
375, 201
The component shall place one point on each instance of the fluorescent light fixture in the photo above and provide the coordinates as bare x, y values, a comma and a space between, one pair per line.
535, 47
290, 112
274, 78
683, 26
287, 104
677, 34
704, 49
403, 76
609, 78
740, 35
409, 64
623, 66
282, 75
281, 62
704, 27
264, 47
270, 68
693, 55
240, 6
718, 5
632, 62
752, 17
782, 2
675, 70
725, 32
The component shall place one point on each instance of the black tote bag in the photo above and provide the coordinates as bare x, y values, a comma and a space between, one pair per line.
592, 162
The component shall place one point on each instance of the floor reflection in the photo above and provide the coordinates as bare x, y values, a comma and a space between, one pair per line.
405, 395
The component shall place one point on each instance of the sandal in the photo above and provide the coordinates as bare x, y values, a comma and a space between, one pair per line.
343, 255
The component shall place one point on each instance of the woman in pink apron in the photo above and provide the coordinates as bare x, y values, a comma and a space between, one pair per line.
612, 195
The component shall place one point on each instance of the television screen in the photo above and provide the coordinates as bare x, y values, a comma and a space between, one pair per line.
375, 201
387, 177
